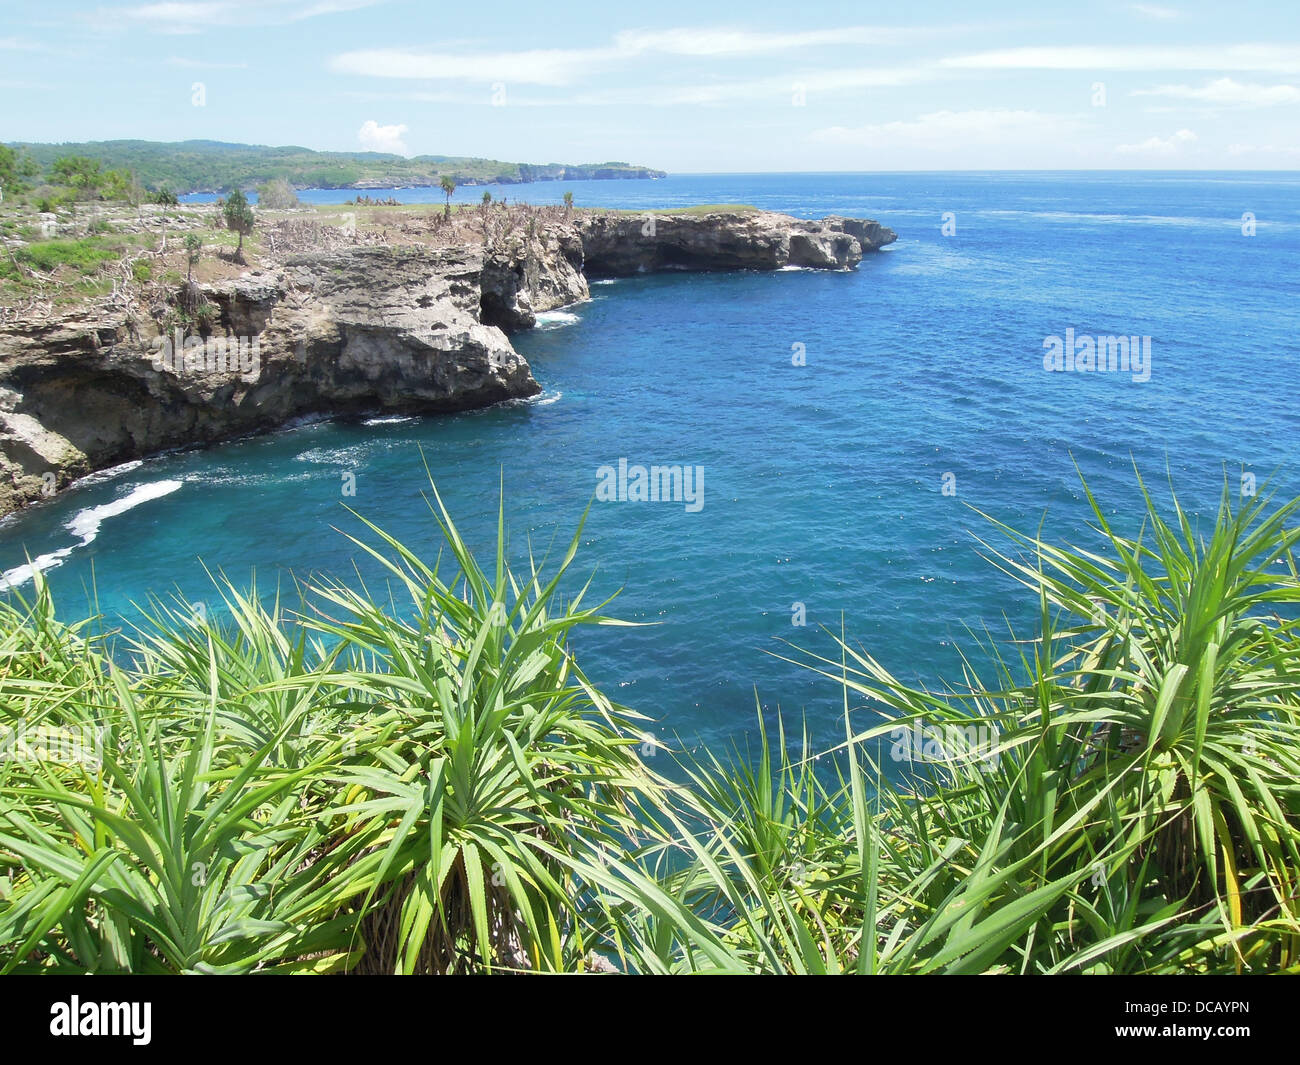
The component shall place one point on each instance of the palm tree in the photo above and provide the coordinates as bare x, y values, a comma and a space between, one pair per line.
568, 202
239, 216
448, 185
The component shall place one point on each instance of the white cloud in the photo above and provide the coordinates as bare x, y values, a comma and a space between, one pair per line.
565, 66
950, 129
1157, 12
1262, 149
193, 16
720, 41
784, 88
413, 97
1270, 57
377, 138
328, 7
202, 64
1229, 93
1158, 145
180, 13
539, 67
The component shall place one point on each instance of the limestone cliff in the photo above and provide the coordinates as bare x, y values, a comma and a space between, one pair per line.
414, 326
619, 245
342, 332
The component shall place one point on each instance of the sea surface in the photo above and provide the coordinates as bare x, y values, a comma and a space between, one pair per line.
856, 432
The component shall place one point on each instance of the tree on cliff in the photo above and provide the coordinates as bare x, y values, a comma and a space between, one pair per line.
239, 217
568, 202
193, 249
448, 185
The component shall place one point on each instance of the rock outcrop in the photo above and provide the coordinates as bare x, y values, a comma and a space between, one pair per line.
869, 234
409, 327
519, 282
396, 329
620, 245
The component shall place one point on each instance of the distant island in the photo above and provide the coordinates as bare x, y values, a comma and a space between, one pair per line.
219, 167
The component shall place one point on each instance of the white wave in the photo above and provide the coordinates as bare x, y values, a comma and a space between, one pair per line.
333, 456
12, 578
389, 419
556, 319
303, 421
100, 476
544, 400
792, 269
243, 480
605, 281
85, 525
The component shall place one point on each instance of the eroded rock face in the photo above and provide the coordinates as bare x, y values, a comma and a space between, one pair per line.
542, 273
619, 245
869, 234
368, 329
409, 328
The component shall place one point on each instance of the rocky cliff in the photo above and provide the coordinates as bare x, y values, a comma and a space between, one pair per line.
619, 245
411, 327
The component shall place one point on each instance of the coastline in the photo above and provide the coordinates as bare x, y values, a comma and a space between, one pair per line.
406, 314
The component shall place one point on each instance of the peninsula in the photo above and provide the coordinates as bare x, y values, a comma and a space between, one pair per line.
218, 166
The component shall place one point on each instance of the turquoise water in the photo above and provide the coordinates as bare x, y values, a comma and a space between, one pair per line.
823, 483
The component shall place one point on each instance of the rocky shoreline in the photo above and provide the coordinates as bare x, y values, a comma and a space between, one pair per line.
389, 323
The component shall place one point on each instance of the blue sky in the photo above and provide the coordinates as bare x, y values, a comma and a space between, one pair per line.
678, 85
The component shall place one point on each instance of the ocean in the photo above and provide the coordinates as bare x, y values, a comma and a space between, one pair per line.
849, 434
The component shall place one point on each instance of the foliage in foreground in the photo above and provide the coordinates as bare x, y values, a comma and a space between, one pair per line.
425, 781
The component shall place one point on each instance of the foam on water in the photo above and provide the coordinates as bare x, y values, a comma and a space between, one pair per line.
389, 419
334, 456
85, 525
101, 476
556, 319
19, 575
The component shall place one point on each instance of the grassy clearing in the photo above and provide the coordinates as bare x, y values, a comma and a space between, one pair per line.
82, 256
71, 269
433, 785
73, 265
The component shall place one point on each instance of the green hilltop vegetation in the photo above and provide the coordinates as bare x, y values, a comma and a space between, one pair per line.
215, 166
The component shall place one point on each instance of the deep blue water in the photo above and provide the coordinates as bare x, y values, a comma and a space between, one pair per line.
822, 483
